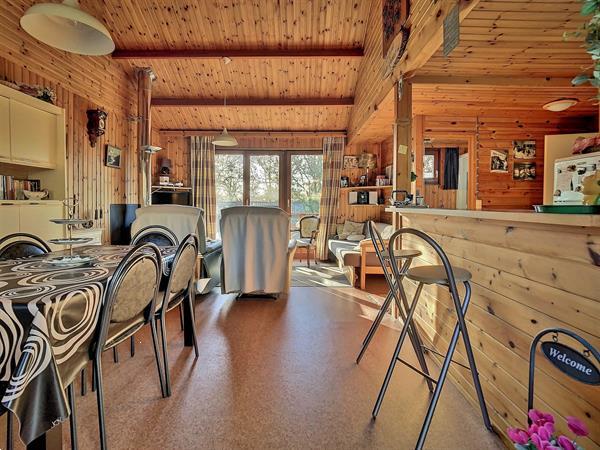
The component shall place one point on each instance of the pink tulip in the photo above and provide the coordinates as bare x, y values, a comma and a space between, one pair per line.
565, 443
518, 436
540, 444
577, 426
549, 426
540, 418
544, 434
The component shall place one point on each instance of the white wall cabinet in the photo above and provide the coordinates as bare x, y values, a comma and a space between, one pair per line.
32, 135
33, 218
32, 132
4, 129
9, 218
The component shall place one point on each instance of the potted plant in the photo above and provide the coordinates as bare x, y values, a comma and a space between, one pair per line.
540, 435
591, 32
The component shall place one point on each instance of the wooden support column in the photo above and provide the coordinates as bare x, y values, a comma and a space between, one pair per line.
402, 134
418, 142
402, 138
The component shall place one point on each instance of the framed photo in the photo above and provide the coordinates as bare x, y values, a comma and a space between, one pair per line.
524, 171
499, 161
524, 149
350, 162
113, 157
344, 182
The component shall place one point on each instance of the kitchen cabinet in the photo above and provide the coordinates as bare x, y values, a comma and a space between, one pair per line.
32, 135
32, 217
4, 129
9, 219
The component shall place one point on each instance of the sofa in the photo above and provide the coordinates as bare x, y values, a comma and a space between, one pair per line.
354, 253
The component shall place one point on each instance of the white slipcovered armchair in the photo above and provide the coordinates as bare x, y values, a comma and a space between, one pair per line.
257, 250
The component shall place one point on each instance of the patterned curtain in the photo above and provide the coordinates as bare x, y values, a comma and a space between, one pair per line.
203, 180
333, 154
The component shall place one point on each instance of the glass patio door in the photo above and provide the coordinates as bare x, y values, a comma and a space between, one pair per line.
264, 187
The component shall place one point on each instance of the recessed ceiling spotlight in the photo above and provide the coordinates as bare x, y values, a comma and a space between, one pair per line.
226, 60
560, 105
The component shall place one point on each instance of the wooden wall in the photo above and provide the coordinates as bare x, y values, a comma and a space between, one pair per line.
499, 190
96, 185
523, 282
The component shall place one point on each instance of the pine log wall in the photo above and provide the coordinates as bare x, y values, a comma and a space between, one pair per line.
499, 190
523, 282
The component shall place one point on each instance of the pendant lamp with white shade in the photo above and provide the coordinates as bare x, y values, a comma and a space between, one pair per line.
66, 27
225, 139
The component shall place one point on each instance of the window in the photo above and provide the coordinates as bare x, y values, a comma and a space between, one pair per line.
229, 181
290, 180
431, 166
306, 179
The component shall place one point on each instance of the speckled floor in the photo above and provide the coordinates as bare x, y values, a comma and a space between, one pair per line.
275, 375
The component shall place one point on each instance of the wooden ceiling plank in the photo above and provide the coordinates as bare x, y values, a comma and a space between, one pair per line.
131, 54
250, 102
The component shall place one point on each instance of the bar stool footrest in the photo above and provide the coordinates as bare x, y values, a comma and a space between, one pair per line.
419, 371
435, 352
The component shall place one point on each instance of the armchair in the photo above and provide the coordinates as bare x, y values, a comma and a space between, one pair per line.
257, 250
182, 221
308, 229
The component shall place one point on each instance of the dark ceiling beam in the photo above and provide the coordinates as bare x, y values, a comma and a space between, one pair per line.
122, 53
250, 102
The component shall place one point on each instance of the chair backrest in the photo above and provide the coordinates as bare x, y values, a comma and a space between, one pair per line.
181, 220
155, 234
132, 290
22, 245
182, 268
308, 225
435, 246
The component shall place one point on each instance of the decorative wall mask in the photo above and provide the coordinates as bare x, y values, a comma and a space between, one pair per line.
96, 124
394, 18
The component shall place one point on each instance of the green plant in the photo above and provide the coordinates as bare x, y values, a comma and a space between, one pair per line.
591, 33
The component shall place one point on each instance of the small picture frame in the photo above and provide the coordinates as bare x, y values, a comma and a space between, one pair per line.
524, 171
344, 182
112, 157
499, 161
350, 162
524, 149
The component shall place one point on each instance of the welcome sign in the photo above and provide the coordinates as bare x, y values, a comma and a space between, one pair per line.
571, 362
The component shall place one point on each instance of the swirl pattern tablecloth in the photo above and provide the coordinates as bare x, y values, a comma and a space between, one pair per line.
48, 317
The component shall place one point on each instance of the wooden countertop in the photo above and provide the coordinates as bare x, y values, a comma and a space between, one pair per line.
576, 220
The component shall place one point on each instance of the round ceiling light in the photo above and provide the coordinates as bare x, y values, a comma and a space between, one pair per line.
560, 105
66, 27
225, 139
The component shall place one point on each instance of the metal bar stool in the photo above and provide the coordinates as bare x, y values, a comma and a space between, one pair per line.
383, 255
442, 275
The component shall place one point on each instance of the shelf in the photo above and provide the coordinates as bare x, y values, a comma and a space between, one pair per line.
372, 206
364, 188
170, 188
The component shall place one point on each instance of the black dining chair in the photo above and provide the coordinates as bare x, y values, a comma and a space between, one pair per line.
179, 291
162, 237
129, 304
22, 245
156, 234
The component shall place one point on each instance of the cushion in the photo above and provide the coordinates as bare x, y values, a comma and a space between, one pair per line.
183, 272
351, 228
135, 292
356, 237
387, 232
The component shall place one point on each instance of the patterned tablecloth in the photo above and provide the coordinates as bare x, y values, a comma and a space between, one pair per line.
48, 316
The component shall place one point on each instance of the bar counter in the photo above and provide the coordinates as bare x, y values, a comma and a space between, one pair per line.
530, 271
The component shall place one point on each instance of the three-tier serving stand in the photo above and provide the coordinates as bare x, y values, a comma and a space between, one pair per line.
70, 222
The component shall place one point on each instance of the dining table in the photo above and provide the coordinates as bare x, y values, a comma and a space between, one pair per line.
49, 314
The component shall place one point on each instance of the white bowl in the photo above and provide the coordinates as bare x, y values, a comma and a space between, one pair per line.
31, 195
